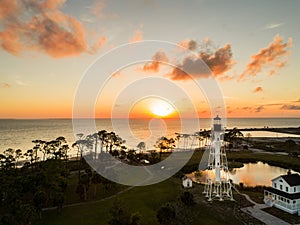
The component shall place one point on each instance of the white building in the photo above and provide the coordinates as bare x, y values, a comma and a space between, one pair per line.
284, 193
187, 182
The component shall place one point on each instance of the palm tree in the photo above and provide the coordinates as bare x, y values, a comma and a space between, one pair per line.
236, 136
102, 137
79, 144
233, 136
96, 137
18, 155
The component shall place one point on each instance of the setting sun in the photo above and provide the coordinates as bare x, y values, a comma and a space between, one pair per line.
161, 108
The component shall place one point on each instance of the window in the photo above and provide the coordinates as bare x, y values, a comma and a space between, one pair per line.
280, 180
288, 201
275, 185
294, 189
294, 202
286, 189
280, 187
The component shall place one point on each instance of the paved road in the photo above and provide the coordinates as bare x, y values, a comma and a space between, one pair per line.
257, 212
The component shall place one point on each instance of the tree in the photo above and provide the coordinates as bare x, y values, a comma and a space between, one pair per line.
187, 198
85, 182
96, 179
200, 138
166, 214
40, 200
165, 144
206, 135
58, 200
25, 214
95, 138
233, 137
141, 146
8, 159
120, 216
102, 137
81, 144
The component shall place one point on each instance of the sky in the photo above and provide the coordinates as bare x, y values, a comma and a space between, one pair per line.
250, 47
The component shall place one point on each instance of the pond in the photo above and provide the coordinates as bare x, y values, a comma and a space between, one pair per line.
253, 174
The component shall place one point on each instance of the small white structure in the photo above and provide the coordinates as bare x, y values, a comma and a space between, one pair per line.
284, 193
187, 182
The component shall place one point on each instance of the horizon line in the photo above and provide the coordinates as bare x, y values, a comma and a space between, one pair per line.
70, 118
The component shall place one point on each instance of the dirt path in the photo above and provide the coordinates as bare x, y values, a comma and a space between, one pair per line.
89, 202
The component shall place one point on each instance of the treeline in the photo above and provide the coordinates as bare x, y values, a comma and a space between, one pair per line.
39, 177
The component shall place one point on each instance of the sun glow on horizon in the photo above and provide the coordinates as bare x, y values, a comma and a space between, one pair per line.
161, 108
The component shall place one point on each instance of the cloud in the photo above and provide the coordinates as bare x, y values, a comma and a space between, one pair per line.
273, 25
273, 56
7, 8
137, 36
290, 107
41, 26
258, 89
97, 8
158, 58
5, 85
188, 44
259, 109
218, 62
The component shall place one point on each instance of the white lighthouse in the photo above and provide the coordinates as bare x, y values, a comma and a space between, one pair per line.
218, 185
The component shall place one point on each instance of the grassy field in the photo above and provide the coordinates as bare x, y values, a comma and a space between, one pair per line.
146, 201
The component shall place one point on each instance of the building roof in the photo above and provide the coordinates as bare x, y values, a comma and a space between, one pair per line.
291, 179
186, 178
283, 194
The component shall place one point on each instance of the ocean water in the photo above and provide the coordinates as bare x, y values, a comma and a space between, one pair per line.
18, 134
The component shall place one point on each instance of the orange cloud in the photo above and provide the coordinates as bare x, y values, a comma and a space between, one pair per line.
10, 41
258, 89
53, 4
290, 107
48, 29
188, 44
7, 8
5, 85
137, 36
273, 55
158, 58
218, 62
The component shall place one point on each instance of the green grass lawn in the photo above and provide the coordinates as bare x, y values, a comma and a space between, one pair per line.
146, 201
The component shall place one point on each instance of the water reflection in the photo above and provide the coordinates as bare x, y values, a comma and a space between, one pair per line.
252, 174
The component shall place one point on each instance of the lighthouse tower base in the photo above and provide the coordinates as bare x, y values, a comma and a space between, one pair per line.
218, 190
